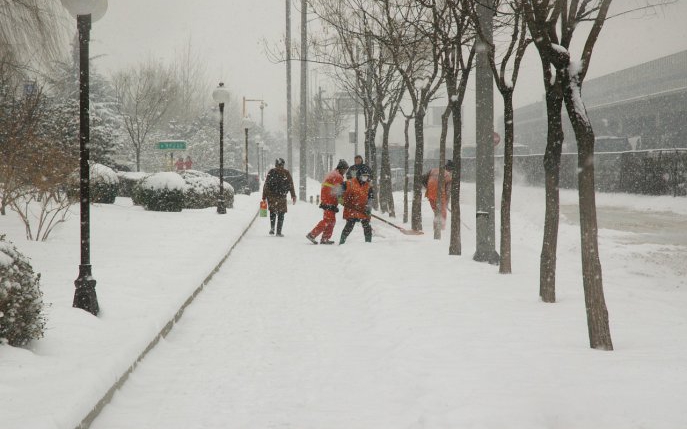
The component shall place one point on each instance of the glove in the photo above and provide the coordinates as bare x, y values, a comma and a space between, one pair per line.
368, 210
340, 200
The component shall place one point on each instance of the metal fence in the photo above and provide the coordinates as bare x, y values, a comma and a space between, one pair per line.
649, 172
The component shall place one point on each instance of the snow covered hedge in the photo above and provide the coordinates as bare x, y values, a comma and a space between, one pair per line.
21, 300
160, 192
127, 182
104, 184
202, 190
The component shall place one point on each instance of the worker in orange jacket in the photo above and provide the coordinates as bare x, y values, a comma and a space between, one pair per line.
431, 182
357, 202
332, 188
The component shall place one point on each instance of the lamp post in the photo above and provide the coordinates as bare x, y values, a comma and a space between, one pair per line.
262, 113
260, 144
221, 95
86, 12
247, 124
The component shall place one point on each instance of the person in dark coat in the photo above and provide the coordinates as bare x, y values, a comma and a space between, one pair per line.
277, 184
357, 202
357, 162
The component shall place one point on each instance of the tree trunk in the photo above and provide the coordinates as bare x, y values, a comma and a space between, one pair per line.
595, 303
370, 157
406, 169
416, 215
438, 221
506, 193
455, 247
386, 197
552, 162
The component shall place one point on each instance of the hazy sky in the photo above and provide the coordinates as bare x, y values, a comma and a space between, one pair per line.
229, 34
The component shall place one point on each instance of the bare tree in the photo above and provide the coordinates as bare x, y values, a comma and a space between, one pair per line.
505, 67
451, 30
31, 33
144, 94
415, 51
542, 19
189, 72
362, 66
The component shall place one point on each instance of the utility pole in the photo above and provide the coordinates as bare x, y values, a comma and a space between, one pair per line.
289, 143
484, 109
304, 102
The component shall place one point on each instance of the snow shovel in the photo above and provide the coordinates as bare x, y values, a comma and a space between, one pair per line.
403, 230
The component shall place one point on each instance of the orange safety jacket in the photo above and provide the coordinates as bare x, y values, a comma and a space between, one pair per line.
331, 189
355, 198
433, 184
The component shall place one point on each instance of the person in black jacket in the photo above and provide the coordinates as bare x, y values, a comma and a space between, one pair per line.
357, 163
277, 184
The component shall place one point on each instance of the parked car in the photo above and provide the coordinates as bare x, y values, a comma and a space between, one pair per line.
237, 179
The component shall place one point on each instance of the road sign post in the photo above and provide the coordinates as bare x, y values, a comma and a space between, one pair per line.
171, 145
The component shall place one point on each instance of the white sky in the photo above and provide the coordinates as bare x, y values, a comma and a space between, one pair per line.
229, 34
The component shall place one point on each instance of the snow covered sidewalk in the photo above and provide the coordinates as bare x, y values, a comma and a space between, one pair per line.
384, 335
146, 265
399, 334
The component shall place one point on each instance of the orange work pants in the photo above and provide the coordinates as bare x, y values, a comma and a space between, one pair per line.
433, 203
325, 226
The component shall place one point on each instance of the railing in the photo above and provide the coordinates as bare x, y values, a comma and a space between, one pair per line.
649, 172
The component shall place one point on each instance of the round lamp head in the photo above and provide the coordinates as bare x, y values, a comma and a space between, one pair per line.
221, 94
95, 8
247, 123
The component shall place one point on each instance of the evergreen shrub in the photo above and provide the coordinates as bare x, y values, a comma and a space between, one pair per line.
21, 300
127, 182
160, 192
202, 190
104, 184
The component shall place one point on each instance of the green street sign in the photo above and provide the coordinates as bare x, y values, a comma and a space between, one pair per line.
171, 145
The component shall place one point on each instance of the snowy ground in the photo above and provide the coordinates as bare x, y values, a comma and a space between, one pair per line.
393, 334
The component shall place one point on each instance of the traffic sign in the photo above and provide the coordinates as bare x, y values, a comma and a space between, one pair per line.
171, 145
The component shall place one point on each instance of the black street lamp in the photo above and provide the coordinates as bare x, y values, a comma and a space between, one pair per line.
86, 12
247, 124
221, 95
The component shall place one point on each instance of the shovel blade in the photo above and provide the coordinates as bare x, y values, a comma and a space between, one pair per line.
411, 232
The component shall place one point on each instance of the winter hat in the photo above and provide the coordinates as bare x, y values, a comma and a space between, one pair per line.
363, 170
279, 162
342, 165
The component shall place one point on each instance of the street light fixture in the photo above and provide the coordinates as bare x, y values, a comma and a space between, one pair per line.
247, 124
86, 12
221, 95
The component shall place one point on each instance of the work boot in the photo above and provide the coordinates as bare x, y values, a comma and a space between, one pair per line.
271, 231
279, 234
310, 237
326, 242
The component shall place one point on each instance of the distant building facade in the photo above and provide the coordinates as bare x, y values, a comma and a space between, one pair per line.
646, 103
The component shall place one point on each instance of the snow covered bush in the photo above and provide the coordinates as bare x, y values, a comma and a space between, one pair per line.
202, 190
160, 192
21, 300
103, 182
127, 182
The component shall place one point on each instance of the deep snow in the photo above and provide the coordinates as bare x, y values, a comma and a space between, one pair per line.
396, 333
